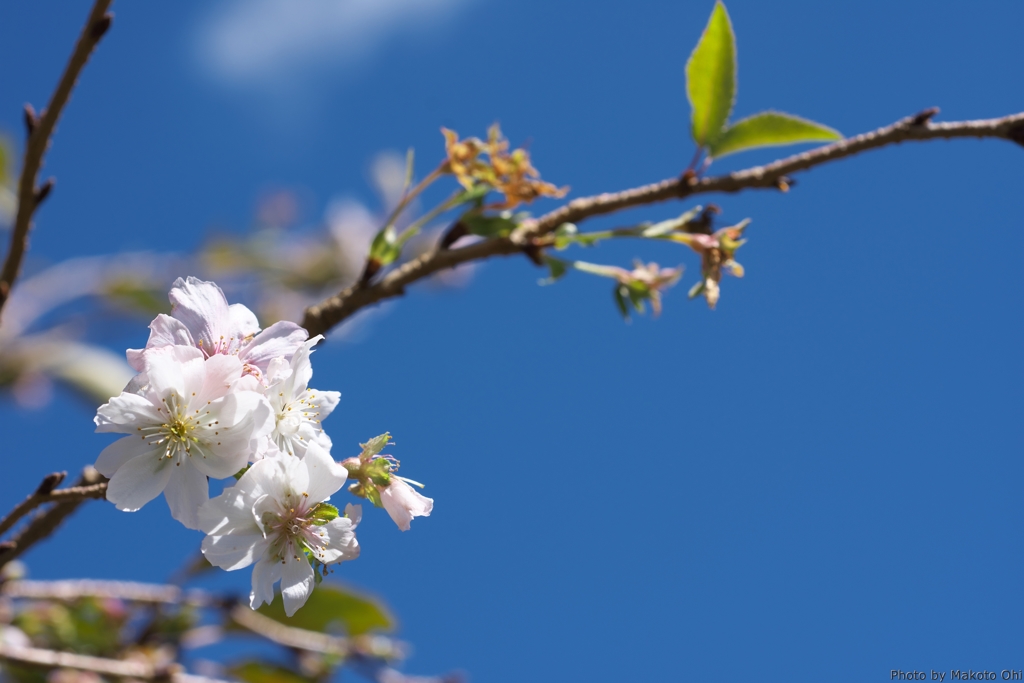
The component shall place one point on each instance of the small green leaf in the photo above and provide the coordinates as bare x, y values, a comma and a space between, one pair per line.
557, 267
711, 78
489, 226
238, 475
696, 290
322, 513
371, 494
767, 129
332, 606
620, 302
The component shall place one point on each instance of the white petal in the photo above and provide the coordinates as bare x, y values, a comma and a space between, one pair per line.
220, 372
355, 513
403, 503
203, 309
277, 371
234, 551
224, 448
186, 491
243, 322
139, 481
114, 456
166, 370
264, 575
341, 541
126, 412
282, 339
326, 400
296, 582
325, 475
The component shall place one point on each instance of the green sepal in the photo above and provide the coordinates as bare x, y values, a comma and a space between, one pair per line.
375, 445
711, 78
696, 290
373, 495
238, 475
620, 302
379, 471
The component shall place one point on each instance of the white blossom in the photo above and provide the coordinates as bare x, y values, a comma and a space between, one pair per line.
298, 409
273, 516
201, 317
403, 502
190, 417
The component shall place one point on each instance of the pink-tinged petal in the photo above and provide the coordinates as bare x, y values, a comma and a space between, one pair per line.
265, 574
219, 375
403, 503
203, 309
282, 339
296, 581
125, 413
168, 331
355, 513
234, 551
114, 456
277, 370
186, 491
243, 322
325, 475
139, 481
164, 368
340, 537
135, 359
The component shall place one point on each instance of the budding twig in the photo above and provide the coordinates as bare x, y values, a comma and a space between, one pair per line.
51, 659
321, 317
40, 128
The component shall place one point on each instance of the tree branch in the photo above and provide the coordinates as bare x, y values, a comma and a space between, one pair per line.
322, 317
50, 659
89, 485
40, 129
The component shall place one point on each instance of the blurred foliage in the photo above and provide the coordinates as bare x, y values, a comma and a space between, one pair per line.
333, 608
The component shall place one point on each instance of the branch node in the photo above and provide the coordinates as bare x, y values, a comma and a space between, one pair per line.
1016, 133
31, 119
44, 191
101, 26
922, 118
371, 268
456, 232
534, 253
784, 182
50, 482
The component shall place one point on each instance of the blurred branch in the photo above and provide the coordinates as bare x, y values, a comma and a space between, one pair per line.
322, 317
50, 659
89, 485
289, 636
40, 128
117, 590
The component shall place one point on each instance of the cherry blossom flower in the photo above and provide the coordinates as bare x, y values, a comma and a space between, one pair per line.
403, 502
190, 417
298, 410
201, 317
277, 518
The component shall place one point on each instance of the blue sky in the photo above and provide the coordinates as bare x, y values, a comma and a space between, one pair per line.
821, 478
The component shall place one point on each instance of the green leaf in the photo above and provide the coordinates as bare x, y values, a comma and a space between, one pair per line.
331, 606
489, 226
264, 672
322, 513
767, 129
379, 471
557, 267
375, 445
711, 78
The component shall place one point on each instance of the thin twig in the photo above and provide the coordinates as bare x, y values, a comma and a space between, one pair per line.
89, 485
40, 129
322, 317
75, 493
51, 659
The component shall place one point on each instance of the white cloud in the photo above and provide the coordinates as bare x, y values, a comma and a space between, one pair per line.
267, 42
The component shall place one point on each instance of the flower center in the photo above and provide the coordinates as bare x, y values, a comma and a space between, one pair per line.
177, 432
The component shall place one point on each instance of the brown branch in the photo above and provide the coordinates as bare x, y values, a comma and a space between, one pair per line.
289, 636
51, 659
45, 494
129, 591
322, 317
89, 485
40, 129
